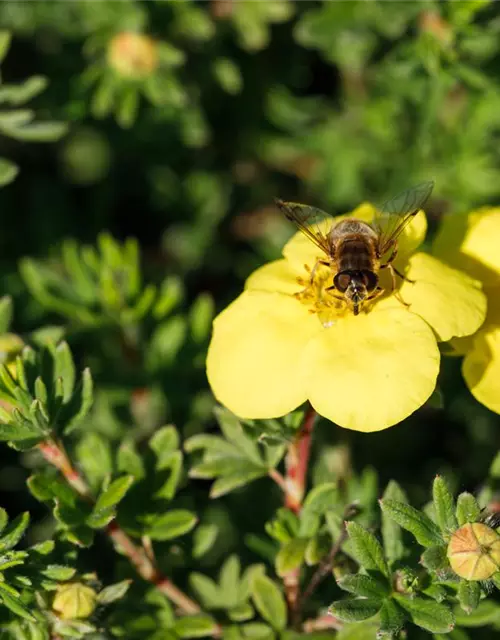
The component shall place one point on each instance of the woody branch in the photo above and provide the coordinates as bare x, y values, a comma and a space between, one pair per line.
54, 453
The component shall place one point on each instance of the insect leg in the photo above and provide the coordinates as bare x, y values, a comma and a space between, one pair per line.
378, 291
389, 264
402, 276
394, 290
314, 269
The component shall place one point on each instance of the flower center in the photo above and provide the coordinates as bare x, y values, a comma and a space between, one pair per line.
328, 305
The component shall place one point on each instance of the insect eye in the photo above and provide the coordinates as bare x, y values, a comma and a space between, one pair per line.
370, 280
341, 281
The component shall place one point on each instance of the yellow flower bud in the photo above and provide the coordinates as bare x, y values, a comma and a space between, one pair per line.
133, 55
474, 551
74, 600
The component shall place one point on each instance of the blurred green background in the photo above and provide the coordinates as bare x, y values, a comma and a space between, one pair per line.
181, 138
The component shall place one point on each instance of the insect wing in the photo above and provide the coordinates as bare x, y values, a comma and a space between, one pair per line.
308, 220
395, 214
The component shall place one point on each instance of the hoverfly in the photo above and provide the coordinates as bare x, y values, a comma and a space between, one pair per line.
355, 250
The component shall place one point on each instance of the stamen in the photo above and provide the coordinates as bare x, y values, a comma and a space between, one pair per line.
319, 300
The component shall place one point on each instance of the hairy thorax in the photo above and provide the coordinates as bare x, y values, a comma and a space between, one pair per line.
353, 244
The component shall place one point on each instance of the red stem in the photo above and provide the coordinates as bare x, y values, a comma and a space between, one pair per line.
297, 461
296, 465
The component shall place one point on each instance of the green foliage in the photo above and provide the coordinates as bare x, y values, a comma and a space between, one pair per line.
168, 128
41, 397
18, 123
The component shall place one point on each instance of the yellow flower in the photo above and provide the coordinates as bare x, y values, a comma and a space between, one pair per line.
472, 243
274, 348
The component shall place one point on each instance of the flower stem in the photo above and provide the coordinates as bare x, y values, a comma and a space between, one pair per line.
297, 461
296, 465
54, 453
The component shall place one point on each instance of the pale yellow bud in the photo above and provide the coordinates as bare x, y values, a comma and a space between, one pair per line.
474, 551
74, 600
133, 55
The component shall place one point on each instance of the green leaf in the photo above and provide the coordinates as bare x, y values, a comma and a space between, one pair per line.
37, 131
291, 555
421, 526
392, 618
22, 92
4, 518
206, 590
467, 509
164, 442
391, 531
204, 538
113, 592
14, 604
434, 558
5, 308
354, 609
129, 460
14, 532
430, 615
355, 631
127, 108
469, 594
234, 433
20, 431
494, 471
444, 506
5, 38
257, 631
58, 572
65, 368
100, 519
229, 483
8, 171
487, 612
169, 296
200, 317
81, 402
367, 549
269, 601
172, 524
241, 613
364, 585
228, 75
322, 498
229, 579
113, 494
197, 626
93, 453
70, 516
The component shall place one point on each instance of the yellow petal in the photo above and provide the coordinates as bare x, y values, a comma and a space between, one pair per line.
471, 243
412, 236
481, 365
275, 276
371, 371
300, 250
254, 359
449, 300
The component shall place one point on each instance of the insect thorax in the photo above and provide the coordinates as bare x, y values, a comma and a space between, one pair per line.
350, 226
